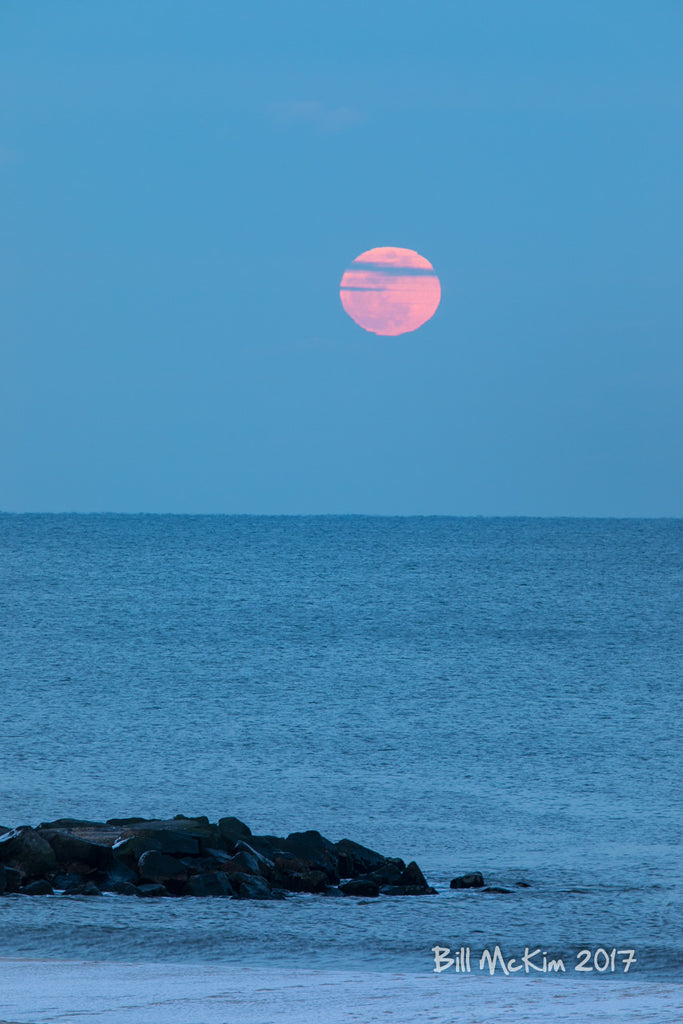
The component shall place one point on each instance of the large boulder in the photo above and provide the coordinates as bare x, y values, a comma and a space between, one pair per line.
252, 887
129, 849
183, 836
393, 878
121, 888
213, 842
27, 851
153, 889
79, 855
160, 867
90, 889
84, 889
70, 823
38, 888
360, 887
412, 876
127, 821
218, 856
408, 890
212, 883
265, 864
473, 880
242, 863
12, 879
120, 872
267, 846
390, 872
66, 880
205, 864
294, 875
315, 851
207, 835
355, 860
232, 830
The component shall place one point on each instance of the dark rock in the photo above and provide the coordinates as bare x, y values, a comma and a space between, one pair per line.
213, 842
38, 888
12, 879
207, 836
310, 881
495, 888
412, 876
285, 863
67, 880
315, 851
214, 883
355, 860
267, 846
265, 864
83, 889
203, 865
80, 855
159, 867
200, 820
122, 888
472, 881
294, 875
69, 823
360, 887
186, 826
408, 890
120, 872
153, 889
91, 832
129, 849
258, 889
126, 821
155, 857
27, 851
232, 830
407, 882
194, 828
390, 873
242, 863
217, 856
252, 887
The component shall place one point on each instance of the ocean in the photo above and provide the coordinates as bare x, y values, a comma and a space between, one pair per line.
494, 695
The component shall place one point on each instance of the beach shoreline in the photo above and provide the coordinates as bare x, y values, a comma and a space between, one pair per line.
48, 991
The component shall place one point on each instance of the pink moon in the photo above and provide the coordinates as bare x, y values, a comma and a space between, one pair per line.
390, 291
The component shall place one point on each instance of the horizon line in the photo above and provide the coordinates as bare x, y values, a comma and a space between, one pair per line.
357, 515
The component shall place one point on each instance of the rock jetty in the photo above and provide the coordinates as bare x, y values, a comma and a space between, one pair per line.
193, 857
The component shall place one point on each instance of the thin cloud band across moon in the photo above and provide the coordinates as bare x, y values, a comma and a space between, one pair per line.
390, 291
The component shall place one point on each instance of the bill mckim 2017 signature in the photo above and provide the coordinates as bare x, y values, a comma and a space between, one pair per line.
533, 960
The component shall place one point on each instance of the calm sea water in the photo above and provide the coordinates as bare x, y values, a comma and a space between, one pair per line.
494, 695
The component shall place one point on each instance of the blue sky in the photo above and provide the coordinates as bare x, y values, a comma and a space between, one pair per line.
184, 183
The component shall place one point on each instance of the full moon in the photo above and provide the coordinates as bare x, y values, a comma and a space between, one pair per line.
390, 290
